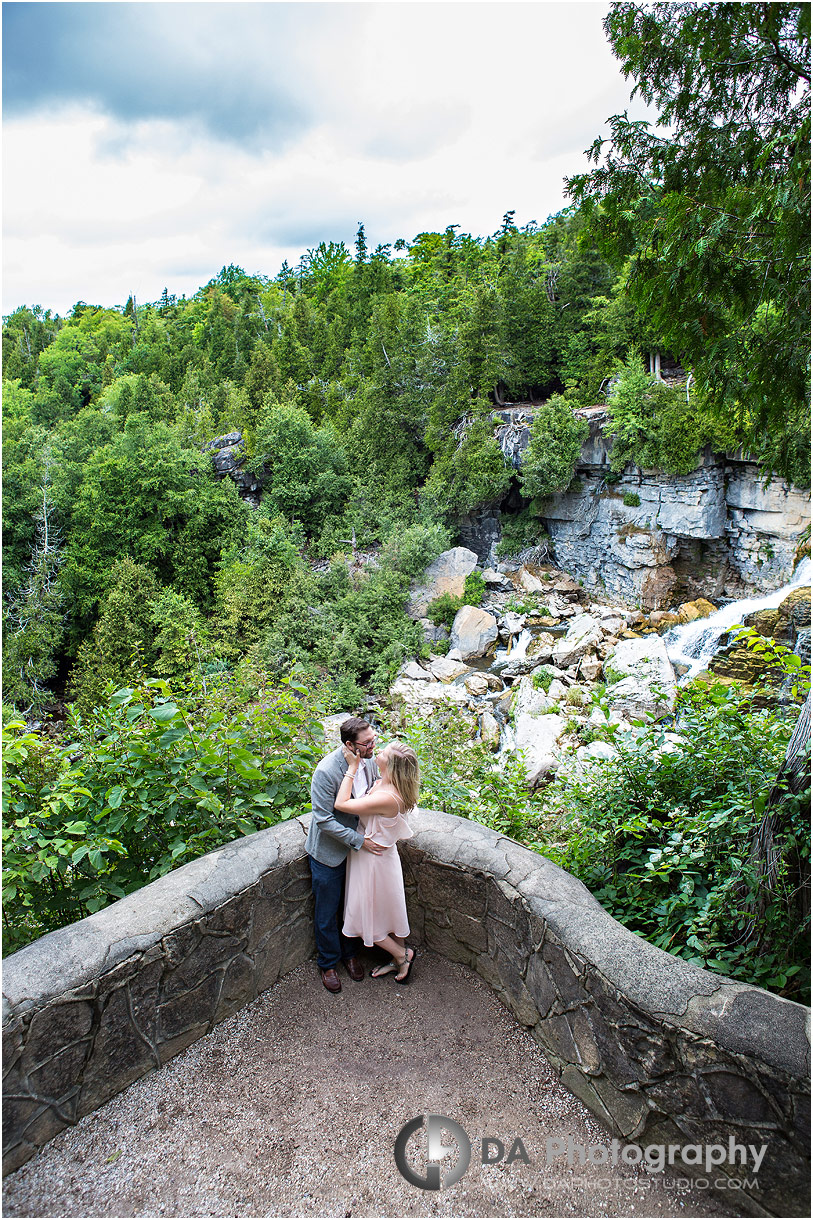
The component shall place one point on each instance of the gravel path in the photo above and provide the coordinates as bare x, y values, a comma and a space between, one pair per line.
292, 1106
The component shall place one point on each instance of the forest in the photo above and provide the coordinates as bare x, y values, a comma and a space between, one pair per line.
162, 634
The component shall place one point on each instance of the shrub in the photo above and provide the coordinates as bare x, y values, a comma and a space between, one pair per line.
556, 440
144, 784
632, 499
663, 836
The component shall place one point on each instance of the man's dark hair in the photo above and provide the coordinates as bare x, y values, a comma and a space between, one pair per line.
350, 729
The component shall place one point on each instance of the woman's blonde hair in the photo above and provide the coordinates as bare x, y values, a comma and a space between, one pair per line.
404, 772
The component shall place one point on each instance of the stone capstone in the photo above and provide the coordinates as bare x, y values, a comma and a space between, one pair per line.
660, 1050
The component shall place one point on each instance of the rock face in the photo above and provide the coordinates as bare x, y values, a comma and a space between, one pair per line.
446, 575
640, 678
473, 631
650, 537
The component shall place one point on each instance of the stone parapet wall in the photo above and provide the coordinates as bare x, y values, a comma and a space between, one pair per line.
660, 1051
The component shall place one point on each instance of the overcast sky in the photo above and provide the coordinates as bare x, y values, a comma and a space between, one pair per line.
147, 145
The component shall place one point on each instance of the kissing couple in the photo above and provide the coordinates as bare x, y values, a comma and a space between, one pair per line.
360, 805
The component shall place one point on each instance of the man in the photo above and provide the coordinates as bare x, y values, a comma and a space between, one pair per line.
331, 836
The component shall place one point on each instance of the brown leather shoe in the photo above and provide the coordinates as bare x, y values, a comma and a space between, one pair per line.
331, 980
354, 969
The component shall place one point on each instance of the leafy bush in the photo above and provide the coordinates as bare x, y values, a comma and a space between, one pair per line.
461, 776
657, 426
519, 531
632, 499
556, 440
663, 836
144, 784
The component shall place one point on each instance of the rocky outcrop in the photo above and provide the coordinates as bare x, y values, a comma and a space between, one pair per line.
652, 539
447, 574
228, 457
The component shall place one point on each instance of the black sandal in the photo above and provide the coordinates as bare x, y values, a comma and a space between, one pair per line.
409, 960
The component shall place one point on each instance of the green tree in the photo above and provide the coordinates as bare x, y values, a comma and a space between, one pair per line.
122, 644
713, 205
303, 467
549, 462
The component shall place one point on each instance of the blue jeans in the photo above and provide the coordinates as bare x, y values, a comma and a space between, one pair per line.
328, 898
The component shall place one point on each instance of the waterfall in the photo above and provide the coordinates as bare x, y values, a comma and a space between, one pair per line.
694, 644
515, 651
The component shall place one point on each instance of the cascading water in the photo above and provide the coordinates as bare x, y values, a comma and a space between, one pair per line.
694, 644
515, 651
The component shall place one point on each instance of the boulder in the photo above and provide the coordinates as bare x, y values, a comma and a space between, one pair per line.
530, 700
489, 730
331, 725
689, 612
415, 672
447, 574
433, 634
445, 669
640, 678
590, 667
583, 634
423, 698
541, 647
473, 631
536, 738
476, 684
491, 577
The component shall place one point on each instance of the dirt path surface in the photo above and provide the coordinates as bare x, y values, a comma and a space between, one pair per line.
292, 1107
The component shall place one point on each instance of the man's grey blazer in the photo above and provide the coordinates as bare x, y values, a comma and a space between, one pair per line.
332, 834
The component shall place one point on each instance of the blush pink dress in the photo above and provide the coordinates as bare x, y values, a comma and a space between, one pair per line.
374, 900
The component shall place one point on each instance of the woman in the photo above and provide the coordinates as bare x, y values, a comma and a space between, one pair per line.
375, 904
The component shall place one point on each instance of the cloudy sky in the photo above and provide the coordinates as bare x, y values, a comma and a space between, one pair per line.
148, 144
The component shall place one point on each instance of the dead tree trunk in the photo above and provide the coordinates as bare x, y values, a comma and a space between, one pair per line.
766, 848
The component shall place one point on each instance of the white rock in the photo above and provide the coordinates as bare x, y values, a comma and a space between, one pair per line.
541, 646
331, 725
531, 700
513, 623
415, 672
476, 684
529, 582
424, 697
557, 691
582, 635
447, 574
490, 730
473, 631
496, 578
640, 678
446, 669
590, 667
536, 737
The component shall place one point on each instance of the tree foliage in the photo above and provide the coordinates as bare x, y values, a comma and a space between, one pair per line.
712, 206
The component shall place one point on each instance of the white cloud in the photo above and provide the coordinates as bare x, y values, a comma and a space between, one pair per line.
421, 116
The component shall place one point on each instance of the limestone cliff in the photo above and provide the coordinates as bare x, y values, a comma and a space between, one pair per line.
653, 538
